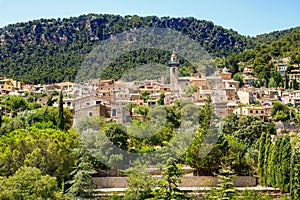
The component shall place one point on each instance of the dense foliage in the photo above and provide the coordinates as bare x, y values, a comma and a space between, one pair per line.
30, 183
45, 149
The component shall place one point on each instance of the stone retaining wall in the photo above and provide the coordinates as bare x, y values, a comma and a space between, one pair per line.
186, 181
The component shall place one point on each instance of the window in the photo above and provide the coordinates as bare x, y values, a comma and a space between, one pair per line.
251, 111
173, 70
69, 104
262, 111
90, 113
98, 102
87, 103
257, 112
114, 112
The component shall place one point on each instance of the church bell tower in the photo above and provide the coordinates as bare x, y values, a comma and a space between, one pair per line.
174, 67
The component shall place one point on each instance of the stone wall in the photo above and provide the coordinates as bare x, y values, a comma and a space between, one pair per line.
186, 181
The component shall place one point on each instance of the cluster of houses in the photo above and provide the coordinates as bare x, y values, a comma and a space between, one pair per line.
109, 98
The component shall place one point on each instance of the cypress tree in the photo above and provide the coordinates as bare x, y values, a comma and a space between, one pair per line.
285, 164
60, 123
286, 78
270, 164
274, 162
266, 158
295, 175
278, 165
261, 155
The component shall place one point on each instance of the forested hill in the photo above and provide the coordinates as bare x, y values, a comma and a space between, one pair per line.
268, 38
264, 57
52, 50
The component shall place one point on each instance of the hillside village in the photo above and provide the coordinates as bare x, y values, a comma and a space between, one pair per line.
132, 121
108, 97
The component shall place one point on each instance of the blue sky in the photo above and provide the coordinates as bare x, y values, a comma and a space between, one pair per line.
248, 17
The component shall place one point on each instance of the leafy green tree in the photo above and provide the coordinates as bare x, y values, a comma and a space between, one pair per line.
161, 100
44, 149
230, 124
82, 182
143, 110
272, 83
277, 106
276, 76
116, 134
14, 104
30, 183
145, 94
249, 129
238, 77
235, 155
280, 116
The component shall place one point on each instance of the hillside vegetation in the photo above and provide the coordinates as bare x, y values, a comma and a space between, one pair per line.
264, 57
52, 50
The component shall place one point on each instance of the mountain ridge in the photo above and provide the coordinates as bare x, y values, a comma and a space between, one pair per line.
52, 50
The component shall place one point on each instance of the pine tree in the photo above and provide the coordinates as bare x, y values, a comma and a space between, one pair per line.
82, 181
168, 188
225, 189
60, 123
